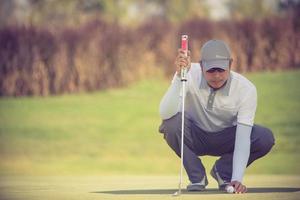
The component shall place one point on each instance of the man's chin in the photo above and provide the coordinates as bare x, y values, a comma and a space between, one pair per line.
216, 86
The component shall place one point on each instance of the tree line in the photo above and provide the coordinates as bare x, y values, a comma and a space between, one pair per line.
99, 55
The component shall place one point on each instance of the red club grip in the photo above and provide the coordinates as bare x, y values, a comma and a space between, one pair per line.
184, 43
184, 46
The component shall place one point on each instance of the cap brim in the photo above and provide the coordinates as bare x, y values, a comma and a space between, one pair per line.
223, 64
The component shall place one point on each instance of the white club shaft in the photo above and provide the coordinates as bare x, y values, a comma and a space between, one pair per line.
183, 79
184, 46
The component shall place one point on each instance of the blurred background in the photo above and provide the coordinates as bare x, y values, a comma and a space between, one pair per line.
81, 80
53, 47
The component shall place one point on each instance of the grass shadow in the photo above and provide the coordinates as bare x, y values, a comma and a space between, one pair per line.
207, 191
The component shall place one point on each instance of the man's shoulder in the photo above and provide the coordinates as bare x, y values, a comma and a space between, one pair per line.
195, 67
241, 81
195, 70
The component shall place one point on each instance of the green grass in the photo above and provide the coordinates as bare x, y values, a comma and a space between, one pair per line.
263, 187
115, 131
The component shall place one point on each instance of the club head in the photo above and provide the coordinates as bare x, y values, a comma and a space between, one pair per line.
177, 193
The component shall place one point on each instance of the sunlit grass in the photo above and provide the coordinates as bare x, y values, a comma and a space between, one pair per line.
283, 187
116, 131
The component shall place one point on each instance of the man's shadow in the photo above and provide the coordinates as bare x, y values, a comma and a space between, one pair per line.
207, 191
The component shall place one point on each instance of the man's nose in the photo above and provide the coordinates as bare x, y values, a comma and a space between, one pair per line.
216, 74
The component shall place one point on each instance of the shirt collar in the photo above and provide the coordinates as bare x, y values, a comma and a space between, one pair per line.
224, 90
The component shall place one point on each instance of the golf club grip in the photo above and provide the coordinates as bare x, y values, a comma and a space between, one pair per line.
184, 47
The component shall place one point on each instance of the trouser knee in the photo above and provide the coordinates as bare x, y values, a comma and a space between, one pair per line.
265, 140
171, 128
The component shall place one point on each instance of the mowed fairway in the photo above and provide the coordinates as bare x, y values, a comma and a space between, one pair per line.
105, 145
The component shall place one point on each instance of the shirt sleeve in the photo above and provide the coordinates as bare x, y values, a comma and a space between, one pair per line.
247, 108
241, 151
171, 101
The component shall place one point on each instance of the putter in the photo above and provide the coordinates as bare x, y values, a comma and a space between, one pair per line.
184, 46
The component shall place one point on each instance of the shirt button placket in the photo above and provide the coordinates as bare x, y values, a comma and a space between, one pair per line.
211, 99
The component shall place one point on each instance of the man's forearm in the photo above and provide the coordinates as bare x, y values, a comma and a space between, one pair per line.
241, 151
170, 102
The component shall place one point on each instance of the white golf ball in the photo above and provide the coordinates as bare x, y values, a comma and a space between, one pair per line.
229, 189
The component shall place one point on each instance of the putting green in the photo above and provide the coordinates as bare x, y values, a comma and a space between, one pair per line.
281, 187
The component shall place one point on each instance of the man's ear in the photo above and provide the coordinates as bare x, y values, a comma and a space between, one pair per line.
230, 63
201, 65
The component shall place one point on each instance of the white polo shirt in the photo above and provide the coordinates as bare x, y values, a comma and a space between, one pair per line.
216, 110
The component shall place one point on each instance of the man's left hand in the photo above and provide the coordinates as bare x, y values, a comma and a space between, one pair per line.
238, 187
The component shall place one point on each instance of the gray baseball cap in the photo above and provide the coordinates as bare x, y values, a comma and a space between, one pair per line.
215, 54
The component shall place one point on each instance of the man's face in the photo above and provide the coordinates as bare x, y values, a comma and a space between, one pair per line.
216, 77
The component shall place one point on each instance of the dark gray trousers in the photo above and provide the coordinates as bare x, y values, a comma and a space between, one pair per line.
198, 142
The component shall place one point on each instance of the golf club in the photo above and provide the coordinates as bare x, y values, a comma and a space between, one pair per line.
184, 46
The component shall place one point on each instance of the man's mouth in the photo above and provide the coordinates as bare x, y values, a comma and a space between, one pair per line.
217, 82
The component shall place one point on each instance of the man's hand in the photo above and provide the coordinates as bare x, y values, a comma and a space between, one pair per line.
238, 187
182, 61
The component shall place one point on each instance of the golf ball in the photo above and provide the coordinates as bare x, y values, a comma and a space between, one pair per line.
229, 189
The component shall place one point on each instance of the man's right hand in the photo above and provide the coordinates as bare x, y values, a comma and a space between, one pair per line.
182, 61
238, 187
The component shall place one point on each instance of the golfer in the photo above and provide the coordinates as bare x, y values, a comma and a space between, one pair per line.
220, 107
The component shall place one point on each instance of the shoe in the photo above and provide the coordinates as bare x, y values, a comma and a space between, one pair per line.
198, 186
215, 174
